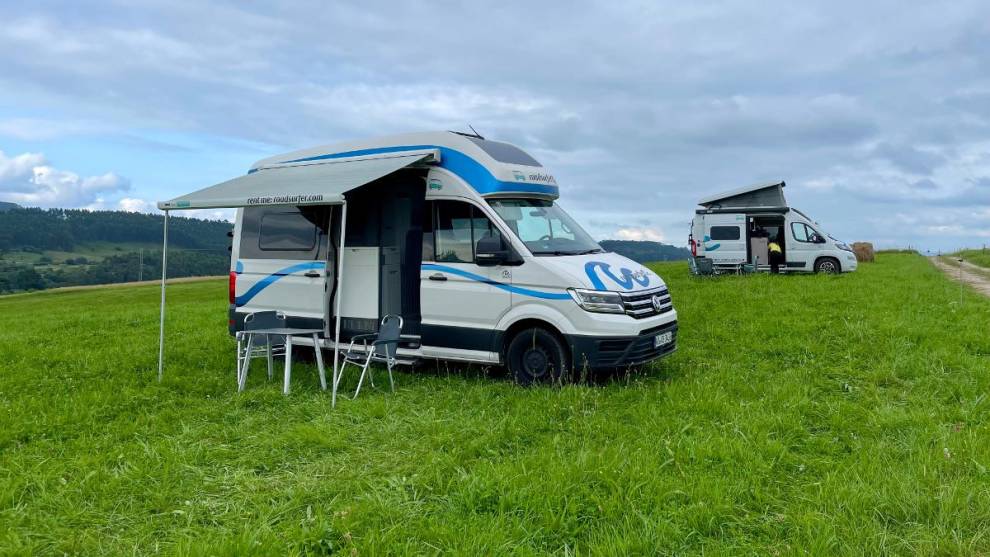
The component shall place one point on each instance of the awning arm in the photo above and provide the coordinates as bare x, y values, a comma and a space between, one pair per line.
337, 296
161, 319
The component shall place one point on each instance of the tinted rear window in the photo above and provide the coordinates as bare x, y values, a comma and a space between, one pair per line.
725, 233
286, 232
503, 152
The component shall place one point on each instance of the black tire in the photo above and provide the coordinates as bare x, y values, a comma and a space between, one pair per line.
536, 356
827, 265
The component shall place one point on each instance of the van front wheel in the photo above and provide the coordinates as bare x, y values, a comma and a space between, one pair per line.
827, 265
536, 356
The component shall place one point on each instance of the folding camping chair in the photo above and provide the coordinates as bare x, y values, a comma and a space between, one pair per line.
255, 346
383, 348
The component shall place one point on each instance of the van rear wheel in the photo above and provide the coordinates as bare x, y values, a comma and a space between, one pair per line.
536, 356
827, 265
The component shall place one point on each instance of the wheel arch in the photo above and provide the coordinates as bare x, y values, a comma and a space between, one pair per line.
505, 337
838, 264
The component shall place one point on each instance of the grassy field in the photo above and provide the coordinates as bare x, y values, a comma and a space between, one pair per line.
801, 415
979, 257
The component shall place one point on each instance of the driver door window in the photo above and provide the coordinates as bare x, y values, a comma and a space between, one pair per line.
459, 227
801, 232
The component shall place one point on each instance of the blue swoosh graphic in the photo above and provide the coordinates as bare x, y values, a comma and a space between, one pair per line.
470, 170
496, 284
270, 279
626, 281
712, 247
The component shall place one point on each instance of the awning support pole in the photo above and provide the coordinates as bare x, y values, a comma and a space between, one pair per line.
337, 296
161, 320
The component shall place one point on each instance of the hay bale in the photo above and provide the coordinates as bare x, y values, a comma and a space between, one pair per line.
864, 252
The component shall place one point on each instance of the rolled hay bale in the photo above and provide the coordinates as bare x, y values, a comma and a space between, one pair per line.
864, 252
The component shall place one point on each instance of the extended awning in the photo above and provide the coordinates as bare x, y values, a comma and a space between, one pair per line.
314, 182
320, 182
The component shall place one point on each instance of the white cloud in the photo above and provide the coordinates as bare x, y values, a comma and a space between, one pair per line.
639, 233
135, 205
28, 179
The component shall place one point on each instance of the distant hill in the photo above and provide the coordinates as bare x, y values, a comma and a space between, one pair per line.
643, 251
6, 206
64, 229
46, 248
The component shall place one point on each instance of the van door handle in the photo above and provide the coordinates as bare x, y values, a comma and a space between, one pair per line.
312, 274
438, 276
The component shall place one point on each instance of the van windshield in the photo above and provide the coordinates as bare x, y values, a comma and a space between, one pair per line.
544, 227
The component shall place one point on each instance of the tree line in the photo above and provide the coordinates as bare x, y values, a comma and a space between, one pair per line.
64, 229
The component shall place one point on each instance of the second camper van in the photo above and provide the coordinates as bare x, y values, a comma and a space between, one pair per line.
733, 229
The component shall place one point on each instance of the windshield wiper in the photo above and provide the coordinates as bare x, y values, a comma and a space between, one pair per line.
559, 252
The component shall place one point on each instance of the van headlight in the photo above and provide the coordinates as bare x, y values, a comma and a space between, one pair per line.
597, 301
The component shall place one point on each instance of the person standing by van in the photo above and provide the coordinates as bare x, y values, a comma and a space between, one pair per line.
776, 254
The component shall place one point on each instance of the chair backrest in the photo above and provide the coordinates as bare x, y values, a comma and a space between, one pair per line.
265, 320
388, 336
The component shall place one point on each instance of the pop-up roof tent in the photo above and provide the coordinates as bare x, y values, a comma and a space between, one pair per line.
308, 182
760, 196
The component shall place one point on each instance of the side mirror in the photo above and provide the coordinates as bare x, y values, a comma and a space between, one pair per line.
817, 239
490, 252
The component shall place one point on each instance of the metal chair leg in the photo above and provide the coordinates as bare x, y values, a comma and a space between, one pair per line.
319, 361
270, 361
242, 379
288, 364
240, 346
361, 379
391, 382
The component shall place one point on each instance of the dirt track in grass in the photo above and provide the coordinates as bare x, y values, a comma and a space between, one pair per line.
967, 273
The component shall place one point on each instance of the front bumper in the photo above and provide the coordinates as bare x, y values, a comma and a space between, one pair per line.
602, 353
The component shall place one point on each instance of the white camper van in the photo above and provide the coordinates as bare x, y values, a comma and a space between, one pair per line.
734, 228
460, 236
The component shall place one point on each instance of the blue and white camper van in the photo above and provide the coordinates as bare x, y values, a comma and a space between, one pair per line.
465, 242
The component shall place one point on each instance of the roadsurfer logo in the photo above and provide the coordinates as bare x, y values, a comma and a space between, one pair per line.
519, 176
285, 199
544, 178
626, 278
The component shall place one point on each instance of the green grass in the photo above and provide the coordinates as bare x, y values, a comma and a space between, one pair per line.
802, 414
979, 257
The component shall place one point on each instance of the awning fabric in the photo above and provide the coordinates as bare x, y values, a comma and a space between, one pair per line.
314, 183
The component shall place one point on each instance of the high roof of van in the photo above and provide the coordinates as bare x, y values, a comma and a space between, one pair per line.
490, 167
768, 195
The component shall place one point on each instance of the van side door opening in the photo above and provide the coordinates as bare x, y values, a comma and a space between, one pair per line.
762, 230
383, 245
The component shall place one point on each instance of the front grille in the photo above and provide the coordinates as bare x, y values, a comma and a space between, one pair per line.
640, 304
635, 350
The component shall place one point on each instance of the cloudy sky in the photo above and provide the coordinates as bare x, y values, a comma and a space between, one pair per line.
876, 115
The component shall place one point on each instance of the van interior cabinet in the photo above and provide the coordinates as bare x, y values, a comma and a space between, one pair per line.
759, 248
359, 304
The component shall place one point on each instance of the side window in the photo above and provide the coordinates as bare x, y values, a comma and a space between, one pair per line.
453, 232
286, 231
725, 233
428, 242
799, 231
482, 228
458, 228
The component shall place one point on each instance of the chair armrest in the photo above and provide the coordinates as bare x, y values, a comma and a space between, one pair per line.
364, 340
381, 342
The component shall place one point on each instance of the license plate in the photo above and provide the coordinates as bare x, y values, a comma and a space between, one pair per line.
662, 339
